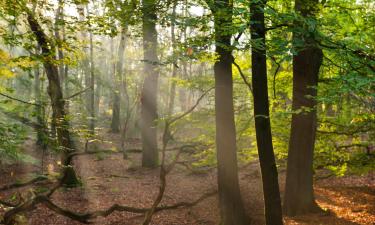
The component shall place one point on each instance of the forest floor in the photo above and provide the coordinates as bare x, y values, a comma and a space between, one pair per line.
109, 179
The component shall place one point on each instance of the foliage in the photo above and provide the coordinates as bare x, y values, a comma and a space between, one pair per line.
11, 136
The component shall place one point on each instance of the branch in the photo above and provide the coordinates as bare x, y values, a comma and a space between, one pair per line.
7, 204
19, 100
86, 217
274, 76
277, 26
78, 93
18, 185
363, 145
173, 120
164, 171
243, 76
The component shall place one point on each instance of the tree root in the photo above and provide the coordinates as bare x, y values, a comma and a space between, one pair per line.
18, 185
86, 218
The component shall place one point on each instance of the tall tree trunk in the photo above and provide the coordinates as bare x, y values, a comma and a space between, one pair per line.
182, 92
150, 86
231, 206
299, 193
88, 70
57, 100
41, 136
172, 94
92, 85
262, 119
115, 124
58, 20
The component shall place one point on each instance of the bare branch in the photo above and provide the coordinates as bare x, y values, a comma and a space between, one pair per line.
19, 100
78, 93
243, 76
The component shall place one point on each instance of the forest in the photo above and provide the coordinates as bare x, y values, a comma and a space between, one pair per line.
187, 112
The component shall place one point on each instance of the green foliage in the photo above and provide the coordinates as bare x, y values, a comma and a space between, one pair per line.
11, 136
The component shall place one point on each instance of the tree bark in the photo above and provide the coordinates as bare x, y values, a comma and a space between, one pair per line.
92, 85
230, 202
262, 118
299, 193
172, 94
41, 136
150, 85
115, 123
55, 93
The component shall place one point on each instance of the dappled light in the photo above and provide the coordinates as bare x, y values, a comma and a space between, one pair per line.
179, 112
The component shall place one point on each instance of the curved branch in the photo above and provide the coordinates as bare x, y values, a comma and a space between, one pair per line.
18, 185
243, 76
86, 217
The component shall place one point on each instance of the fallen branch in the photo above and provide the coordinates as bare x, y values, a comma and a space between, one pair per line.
18, 185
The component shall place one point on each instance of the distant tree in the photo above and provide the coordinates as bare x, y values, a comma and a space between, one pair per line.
150, 86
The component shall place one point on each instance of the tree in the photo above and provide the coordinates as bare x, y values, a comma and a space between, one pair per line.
231, 206
150, 86
174, 66
115, 123
57, 100
261, 114
299, 193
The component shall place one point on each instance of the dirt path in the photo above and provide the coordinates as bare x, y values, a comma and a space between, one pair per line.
109, 179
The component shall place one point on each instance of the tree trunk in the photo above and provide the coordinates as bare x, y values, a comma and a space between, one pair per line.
115, 124
150, 85
230, 202
55, 93
172, 94
262, 119
41, 136
92, 85
299, 193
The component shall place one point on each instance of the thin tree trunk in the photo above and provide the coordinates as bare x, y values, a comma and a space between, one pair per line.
262, 119
172, 94
150, 86
299, 193
41, 137
92, 85
230, 202
87, 70
115, 124
58, 20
